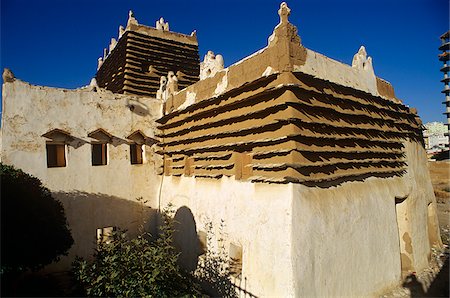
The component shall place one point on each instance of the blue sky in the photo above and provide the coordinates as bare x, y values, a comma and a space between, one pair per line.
57, 43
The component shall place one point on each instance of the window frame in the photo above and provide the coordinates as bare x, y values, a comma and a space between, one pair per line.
105, 235
134, 156
57, 157
103, 154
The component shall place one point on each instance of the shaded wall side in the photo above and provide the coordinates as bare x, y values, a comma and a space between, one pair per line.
420, 196
149, 58
111, 74
256, 217
345, 239
87, 212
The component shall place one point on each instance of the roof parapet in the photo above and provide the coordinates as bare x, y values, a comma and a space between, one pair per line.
161, 25
161, 30
8, 76
211, 65
131, 20
363, 62
284, 30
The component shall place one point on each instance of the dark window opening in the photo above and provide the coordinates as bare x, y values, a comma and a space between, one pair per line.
202, 243
105, 235
235, 260
56, 155
99, 154
136, 154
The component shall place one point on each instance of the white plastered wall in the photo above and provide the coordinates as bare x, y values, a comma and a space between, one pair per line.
331, 70
420, 196
257, 217
345, 239
93, 196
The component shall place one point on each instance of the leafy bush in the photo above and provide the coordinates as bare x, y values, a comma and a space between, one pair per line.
34, 229
137, 267
213, 271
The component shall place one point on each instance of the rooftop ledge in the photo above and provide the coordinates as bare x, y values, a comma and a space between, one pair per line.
153, 32
285, 53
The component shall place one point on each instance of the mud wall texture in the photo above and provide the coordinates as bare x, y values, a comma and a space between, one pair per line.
85, 190
347, 240
289, 127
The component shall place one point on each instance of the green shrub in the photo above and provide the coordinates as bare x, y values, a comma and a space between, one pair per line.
213, 271
137, 267
34, 229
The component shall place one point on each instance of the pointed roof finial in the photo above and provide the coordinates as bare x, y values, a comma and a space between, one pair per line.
284, 13
131, 19
8, 76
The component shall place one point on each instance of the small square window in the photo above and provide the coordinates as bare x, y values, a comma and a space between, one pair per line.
188, 165
243, 165
56, 155
99, 154
167, 165
105, 235
136, 154
235, 260
202, 243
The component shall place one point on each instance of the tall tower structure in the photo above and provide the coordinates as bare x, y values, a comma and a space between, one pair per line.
136, 61
444, 57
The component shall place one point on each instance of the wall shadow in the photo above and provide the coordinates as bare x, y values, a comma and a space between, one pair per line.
186, 239
138, 107
439, 287
87, 212
77, 142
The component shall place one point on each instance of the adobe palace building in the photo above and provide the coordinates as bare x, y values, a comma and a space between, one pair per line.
316, 168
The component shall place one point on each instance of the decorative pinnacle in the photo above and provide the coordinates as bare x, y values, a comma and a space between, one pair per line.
284, 13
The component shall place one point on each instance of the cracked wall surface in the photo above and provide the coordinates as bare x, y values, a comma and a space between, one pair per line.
91, 195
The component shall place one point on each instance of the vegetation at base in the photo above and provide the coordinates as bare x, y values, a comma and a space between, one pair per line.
445, 235
213, 271
34, 230
136, 267
146, 267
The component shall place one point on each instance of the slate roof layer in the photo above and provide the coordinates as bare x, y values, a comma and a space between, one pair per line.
296, 128
126, 69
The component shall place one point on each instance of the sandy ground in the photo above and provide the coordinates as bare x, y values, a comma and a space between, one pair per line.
440, 177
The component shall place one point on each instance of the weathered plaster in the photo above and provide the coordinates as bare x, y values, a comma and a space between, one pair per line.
345, 239
30, 111
421, 195
257, 217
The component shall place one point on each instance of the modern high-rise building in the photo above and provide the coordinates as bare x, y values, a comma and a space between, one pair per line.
444, 57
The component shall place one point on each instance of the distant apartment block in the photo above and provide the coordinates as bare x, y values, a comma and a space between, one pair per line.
444, 57
435, 136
